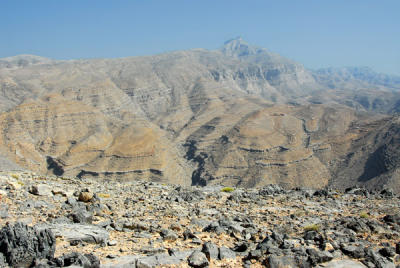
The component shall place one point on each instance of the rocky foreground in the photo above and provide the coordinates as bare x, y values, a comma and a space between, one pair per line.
61, 222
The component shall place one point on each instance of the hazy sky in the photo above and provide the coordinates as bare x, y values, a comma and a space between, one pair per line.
317, 33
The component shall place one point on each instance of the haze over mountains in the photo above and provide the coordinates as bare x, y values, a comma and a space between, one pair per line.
237, 116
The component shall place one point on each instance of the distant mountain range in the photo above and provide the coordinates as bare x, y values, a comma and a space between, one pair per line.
240, 115
362, 74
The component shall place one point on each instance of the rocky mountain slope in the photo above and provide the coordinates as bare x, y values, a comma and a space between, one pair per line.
365, 75
238, 116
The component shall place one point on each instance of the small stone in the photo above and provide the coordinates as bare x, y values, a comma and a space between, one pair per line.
85, 196
274, 261
310, 235
353, 251
211, 250
255, 254
317, 256
82, 216
226, 253
188, 234
198, 260
168, 235
71, 200
112, 243
80, 260
176, 227
59, 191
147, 262
180, 255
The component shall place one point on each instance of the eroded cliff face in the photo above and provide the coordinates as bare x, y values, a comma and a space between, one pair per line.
280, 144
373, 159
240, 115
69, 138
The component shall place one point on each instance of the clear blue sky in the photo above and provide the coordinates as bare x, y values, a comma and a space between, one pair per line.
317, 33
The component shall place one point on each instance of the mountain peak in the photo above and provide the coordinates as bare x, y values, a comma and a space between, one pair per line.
237, 47
236, 40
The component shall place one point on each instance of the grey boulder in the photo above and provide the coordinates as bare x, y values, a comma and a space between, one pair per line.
80, 232
21, 244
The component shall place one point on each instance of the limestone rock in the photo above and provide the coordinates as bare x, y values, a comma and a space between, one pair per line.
40, 189
21, 244
198, 260
79, 232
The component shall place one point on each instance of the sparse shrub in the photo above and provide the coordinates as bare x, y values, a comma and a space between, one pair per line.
227, 189
364, 215
15, 176
312, 227
103, 195
21, 183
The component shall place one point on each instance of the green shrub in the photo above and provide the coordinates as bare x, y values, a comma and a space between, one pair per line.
227, 189
312, 227
103, 195
364, 215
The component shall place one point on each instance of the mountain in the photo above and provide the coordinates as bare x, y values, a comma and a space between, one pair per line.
360, 88
23, 61
363, 75
239, 115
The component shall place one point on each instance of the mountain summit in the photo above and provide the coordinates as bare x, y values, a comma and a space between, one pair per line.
237, 47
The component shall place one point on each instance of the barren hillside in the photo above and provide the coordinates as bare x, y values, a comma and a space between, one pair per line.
240, 115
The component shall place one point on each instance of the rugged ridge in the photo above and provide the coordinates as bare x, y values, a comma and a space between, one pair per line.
240, 115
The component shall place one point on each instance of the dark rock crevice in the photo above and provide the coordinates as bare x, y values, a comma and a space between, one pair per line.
198, 159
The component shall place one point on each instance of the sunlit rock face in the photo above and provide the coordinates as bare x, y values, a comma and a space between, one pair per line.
240, 115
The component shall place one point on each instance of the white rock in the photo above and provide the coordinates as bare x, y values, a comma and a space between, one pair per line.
40, 189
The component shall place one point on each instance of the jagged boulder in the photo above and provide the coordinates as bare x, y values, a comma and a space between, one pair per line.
78, 259
21, 244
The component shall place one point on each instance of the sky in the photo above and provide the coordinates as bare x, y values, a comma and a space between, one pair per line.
316, 33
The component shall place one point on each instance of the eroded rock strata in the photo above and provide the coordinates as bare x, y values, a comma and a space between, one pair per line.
238, 116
